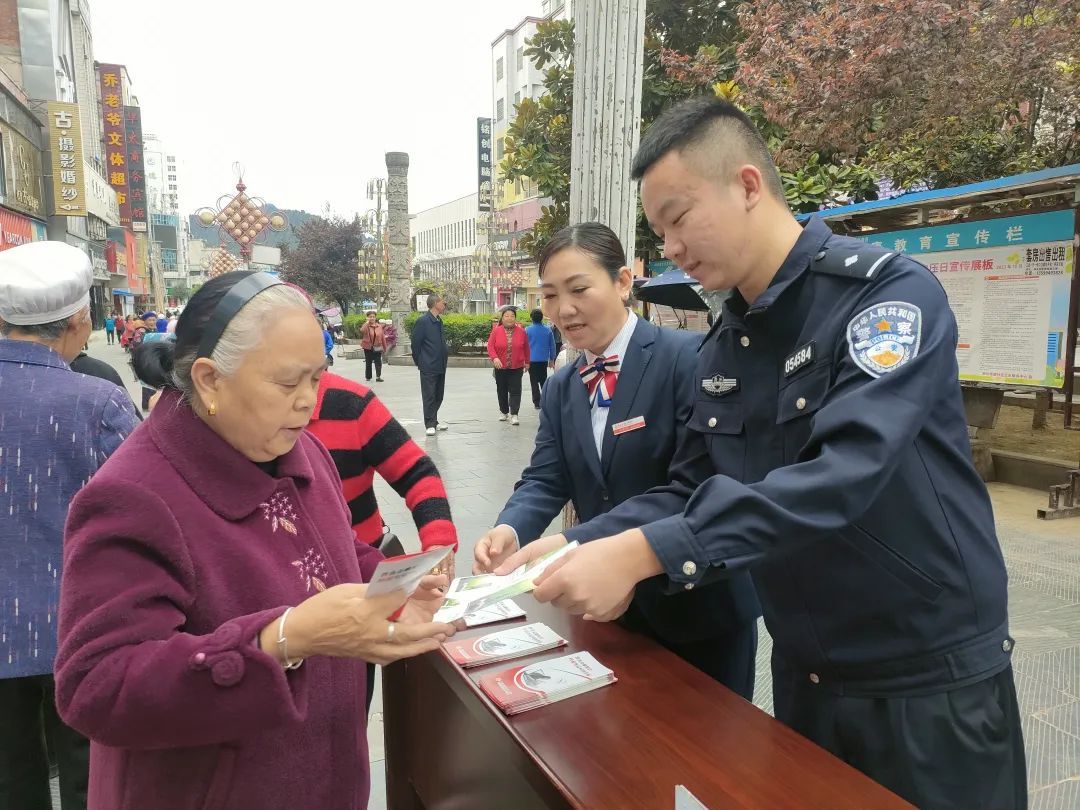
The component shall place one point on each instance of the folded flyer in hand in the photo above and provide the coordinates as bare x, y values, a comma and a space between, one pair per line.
405, 572
504, 645
470, 594
499, 612
530, 686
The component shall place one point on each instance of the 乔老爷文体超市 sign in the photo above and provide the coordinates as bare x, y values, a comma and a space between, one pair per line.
1008, 281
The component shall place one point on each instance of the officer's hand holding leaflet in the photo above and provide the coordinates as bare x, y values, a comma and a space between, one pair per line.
532, 551
596, 580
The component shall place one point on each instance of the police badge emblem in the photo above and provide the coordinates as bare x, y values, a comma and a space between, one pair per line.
718, 385
884, 337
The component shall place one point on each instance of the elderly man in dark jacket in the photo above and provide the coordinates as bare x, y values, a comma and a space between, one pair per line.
429, 353
58, 428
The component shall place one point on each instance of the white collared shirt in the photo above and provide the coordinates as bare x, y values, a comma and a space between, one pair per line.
618, 346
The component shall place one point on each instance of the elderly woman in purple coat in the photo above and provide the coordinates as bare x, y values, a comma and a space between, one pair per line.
213, 628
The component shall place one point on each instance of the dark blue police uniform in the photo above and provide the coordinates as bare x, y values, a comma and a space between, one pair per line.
831, 421
714, 627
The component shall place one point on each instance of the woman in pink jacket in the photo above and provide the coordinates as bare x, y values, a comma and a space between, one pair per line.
508, 348
213, 629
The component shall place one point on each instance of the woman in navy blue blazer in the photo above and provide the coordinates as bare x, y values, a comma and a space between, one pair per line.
609, 426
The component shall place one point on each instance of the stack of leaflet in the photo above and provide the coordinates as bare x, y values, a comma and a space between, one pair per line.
468, 595
499, 612
531, 686
504, 645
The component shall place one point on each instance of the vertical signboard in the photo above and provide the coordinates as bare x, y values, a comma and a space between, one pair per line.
136, 169
65, 145
483, 152
112, 114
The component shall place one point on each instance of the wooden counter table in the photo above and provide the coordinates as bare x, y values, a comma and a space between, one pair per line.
623, 746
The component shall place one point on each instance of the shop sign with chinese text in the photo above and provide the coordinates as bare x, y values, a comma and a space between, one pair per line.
65, 144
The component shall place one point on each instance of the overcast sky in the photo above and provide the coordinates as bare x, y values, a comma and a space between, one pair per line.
310, 95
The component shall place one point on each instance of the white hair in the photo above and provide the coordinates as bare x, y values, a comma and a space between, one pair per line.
244, 333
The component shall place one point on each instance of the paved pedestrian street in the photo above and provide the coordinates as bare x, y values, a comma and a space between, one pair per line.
480, 459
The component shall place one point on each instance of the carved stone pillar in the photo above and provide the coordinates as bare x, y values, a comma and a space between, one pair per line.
609, 53
397, 228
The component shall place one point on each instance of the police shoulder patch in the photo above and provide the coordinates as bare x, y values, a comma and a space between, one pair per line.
885, 337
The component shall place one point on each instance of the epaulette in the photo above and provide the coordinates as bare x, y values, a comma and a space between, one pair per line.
860, 262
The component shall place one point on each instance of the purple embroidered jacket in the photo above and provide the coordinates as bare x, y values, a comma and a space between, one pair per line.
168, 580
56, 428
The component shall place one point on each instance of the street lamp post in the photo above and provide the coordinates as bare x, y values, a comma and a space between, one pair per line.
496, 249
376, 188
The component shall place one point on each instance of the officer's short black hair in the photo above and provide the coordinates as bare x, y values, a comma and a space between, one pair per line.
710, 128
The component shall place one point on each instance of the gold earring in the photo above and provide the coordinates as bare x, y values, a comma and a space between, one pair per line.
213, 408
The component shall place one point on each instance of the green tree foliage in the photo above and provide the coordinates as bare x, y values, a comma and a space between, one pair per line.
325, 260
690, 49
537, 144
934, 91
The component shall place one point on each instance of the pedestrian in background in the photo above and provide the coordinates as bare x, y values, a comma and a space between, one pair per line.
430, 354
128, 332
373, 342
542, 353
328, 341
508, 348
161, 324
110, 328
58, 427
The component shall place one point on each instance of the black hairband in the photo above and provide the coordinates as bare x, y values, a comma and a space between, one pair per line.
231, 303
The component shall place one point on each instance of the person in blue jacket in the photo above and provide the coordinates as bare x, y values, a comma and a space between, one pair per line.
827, 452
328, 341
541, 353
609, 426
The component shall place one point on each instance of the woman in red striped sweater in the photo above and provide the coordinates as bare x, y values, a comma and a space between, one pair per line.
363, 438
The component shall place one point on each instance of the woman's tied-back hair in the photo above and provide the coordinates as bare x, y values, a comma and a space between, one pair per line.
167, 364
592, 238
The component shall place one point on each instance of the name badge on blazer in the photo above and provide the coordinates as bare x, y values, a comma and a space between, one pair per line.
637, 423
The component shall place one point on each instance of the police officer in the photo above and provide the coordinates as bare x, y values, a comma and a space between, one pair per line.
828, 453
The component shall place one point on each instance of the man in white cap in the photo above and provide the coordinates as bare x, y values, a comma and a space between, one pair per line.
57, 427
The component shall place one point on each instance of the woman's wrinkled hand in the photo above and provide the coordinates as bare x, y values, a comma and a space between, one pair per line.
341, 622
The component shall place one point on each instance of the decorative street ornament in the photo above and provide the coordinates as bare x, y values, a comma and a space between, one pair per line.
242, 218
220, 262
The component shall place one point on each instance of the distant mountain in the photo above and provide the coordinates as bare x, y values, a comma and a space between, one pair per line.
212, 235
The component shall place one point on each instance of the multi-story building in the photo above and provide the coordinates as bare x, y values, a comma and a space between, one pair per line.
517, 203
47, 49
168, 228
22, 143
444, 245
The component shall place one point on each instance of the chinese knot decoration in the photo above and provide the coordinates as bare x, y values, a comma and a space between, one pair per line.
242, 219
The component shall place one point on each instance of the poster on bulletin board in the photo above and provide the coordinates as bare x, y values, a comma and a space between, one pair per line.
1008, 282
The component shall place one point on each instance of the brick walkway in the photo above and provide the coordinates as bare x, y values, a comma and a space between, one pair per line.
480, 459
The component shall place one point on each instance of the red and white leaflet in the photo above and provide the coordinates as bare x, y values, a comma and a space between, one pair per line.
504, 645
529, 686
405, 572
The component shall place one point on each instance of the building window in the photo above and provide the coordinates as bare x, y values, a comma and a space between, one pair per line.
521, 58
498, 68
517, 99
3, 171
500, 109
499, 149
